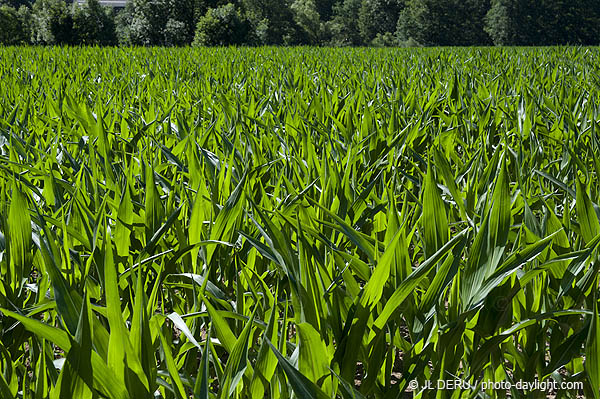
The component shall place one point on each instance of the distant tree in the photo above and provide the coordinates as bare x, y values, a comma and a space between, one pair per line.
52, 23
221, 26
504, 23
273, 21
12, 31
443, 22
387, 39
200, 7
325, 9
419, 21
176, 33
307, 17
123, 21
16, 4
181, 22
94, 24
344, 24
378, 17
25, 16
584, 22
156, 22
148, 21
472, 23
543, 22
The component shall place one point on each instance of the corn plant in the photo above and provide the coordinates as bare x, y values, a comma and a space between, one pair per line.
298, 223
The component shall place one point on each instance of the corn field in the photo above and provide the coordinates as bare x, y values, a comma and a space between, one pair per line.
298, 223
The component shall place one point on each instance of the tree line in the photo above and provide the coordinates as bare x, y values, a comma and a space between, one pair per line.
302, 22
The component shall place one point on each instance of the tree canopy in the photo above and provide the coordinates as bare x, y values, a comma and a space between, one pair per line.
303, 22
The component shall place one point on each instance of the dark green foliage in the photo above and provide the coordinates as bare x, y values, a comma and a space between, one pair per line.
52, 23
386, 39
25, 16
307, 17
94, 24
500, 22
584, 19
306, 22
344, 25
377, 17
12, 31
175, 33
472, 23
272, 21
16, 4
202, 6
148, 19
325, 9
420, 21
181, 23
547, 22
443, 22
122, 24
221, 26
156, 22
